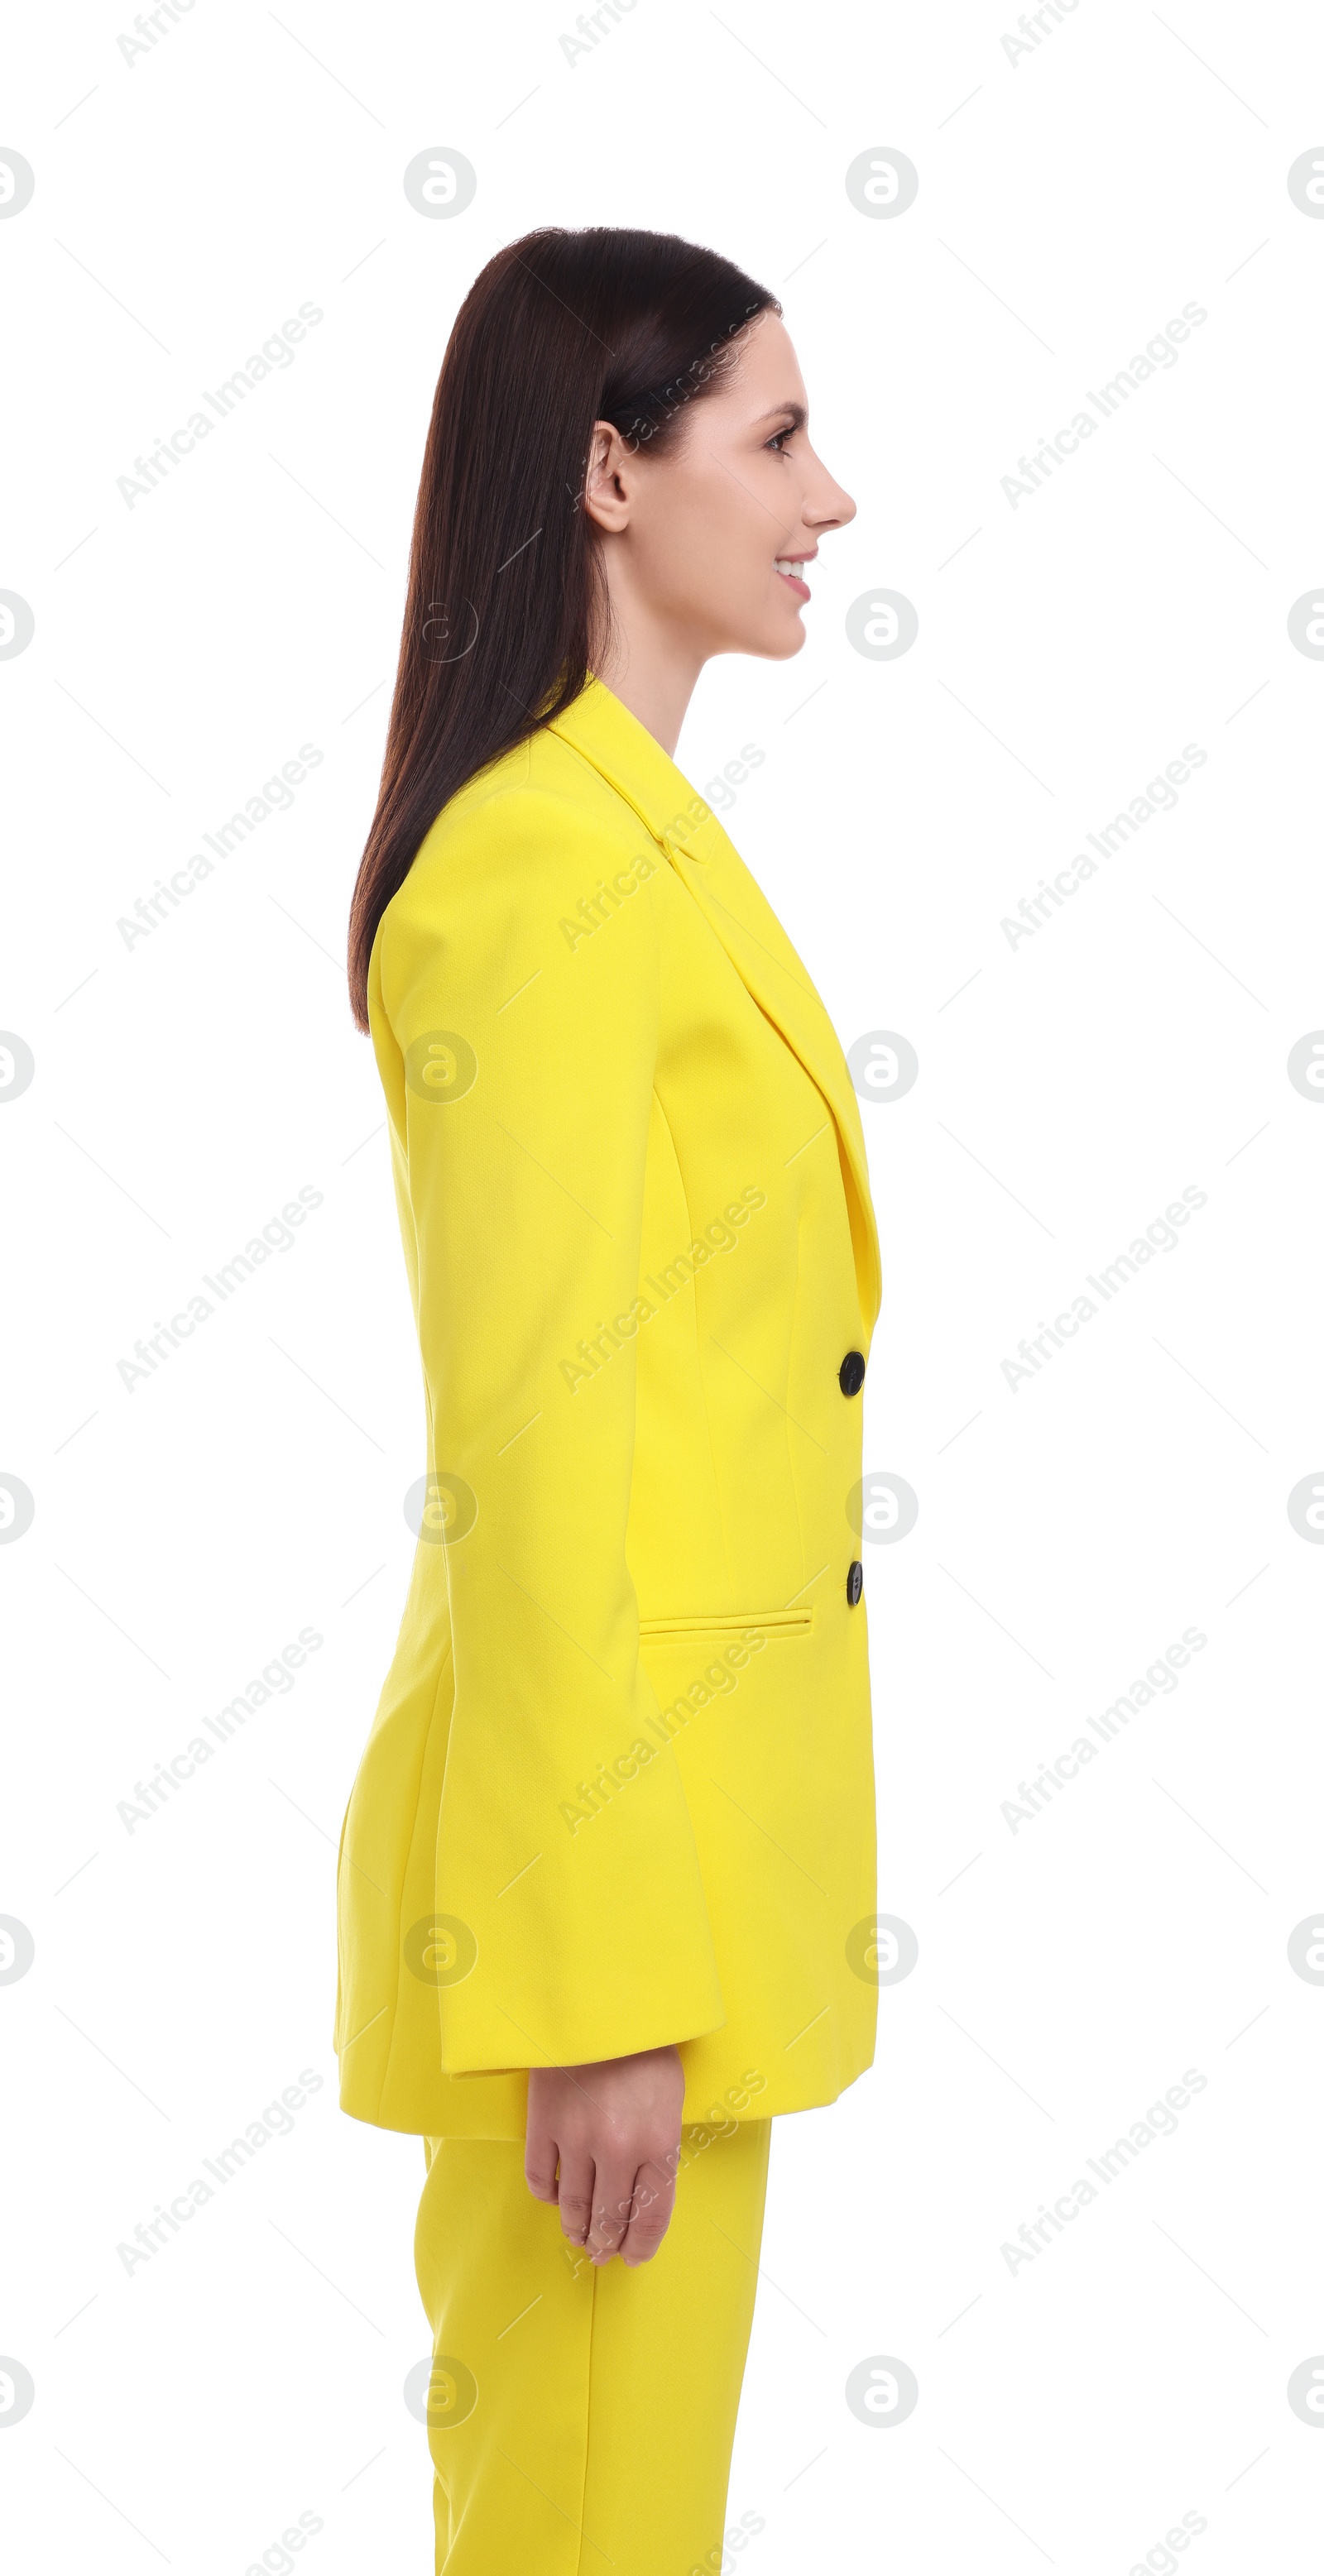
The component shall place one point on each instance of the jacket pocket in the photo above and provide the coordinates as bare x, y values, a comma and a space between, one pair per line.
723, 1625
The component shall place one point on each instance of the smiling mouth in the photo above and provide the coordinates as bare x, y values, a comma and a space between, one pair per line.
788, 567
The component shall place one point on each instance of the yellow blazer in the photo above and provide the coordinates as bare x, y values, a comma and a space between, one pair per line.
619, 1787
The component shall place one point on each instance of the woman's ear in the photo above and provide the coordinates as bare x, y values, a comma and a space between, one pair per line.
609, 482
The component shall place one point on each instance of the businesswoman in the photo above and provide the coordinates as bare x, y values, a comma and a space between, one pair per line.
607, 1872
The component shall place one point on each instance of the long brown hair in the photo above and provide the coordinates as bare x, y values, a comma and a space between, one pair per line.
505, 593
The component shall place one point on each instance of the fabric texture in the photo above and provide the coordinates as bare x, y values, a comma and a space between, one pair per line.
619, 1787
580, 2420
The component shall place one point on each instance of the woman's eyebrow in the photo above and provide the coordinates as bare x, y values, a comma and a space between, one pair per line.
798, 415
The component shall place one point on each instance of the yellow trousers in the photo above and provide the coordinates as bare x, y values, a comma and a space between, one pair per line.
580, 2419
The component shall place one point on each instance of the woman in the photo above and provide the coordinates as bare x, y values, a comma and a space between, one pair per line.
606, 1877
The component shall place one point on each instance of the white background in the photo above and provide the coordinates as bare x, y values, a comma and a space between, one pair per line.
1070, 202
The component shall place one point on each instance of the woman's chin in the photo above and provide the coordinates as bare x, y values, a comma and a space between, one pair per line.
792, 643
778, 639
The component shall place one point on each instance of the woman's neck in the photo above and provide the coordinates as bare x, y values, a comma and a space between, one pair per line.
650, 669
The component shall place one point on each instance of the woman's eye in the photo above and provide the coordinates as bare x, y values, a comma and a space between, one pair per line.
775, 442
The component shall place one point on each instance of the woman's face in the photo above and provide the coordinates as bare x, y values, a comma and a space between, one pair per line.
711, 542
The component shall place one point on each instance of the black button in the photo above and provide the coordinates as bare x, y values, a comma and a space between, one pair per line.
855, 1583
850, 1375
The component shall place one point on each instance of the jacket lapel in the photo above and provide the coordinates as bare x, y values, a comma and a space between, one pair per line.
685, 828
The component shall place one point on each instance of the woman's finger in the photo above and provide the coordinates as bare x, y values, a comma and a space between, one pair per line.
540, 2160
575, 2193
612, 2199
650, 2216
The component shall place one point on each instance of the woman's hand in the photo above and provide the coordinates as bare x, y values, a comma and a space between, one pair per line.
614, 2131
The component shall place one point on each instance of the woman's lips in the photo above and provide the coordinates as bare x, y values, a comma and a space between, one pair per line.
786, 571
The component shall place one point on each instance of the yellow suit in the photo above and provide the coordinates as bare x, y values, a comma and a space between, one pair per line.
619, 1788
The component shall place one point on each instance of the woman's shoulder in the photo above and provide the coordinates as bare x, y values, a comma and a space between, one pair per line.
525, 843
524, 811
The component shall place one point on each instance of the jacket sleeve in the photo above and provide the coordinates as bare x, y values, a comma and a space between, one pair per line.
574, 1922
